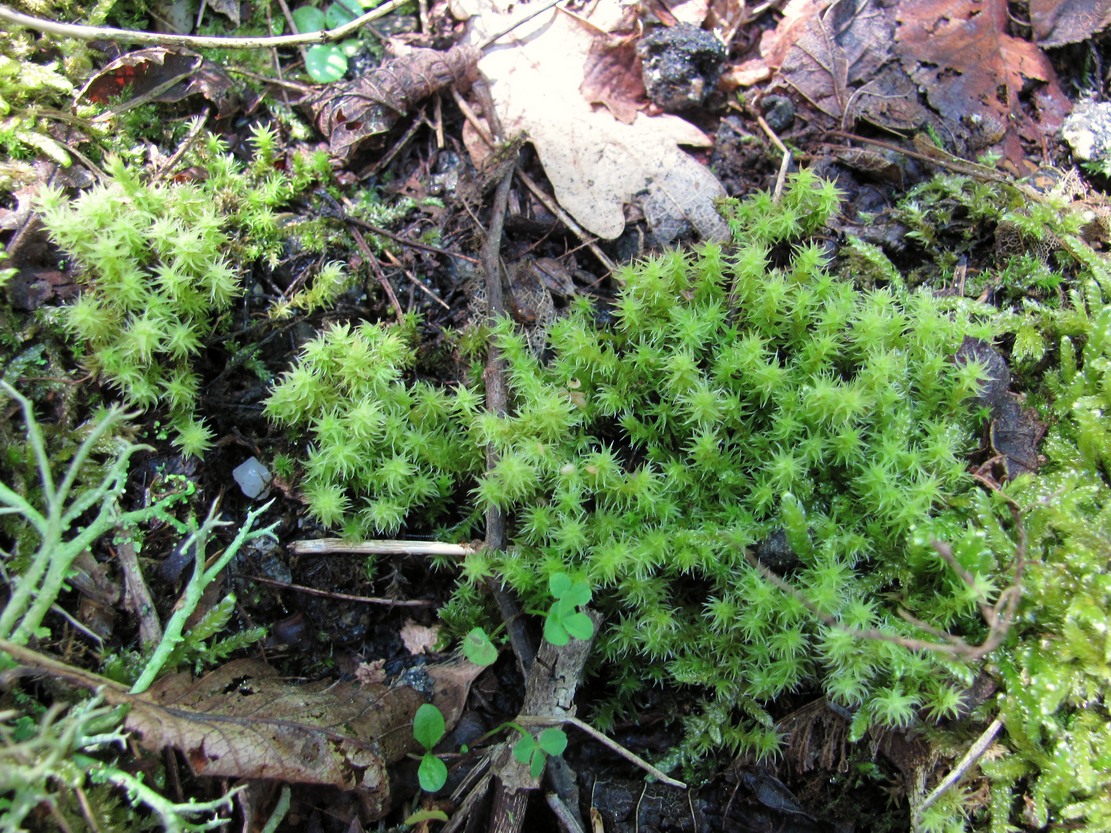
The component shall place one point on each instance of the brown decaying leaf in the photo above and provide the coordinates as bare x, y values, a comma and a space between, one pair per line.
974, 74
612, 76
596, 164
243, 721
1015, 432
1058, 22
164, 75
348, 114
846, 43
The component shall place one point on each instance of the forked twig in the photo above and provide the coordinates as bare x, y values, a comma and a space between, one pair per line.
998, 616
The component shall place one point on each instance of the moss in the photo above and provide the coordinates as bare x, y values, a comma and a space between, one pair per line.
749, 404
732, 400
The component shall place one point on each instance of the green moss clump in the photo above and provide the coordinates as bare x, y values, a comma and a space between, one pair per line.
348, 394
160, 266
1055, 766
736, 400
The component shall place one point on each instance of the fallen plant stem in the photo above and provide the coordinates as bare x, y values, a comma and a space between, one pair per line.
974, 753
326, 546
497, 403
998, 616
372, 262
329, 594
89, 33
784, 163
609, 743
412, 244
136, 596
563, 813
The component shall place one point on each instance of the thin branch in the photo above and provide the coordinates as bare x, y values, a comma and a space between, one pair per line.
974, 753
324, 546
999, 616
346, 597
89, 33
626, 753
376, 268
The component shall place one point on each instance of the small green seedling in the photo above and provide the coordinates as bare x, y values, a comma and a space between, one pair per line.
428, 729
478, 648
534, 751
564, 620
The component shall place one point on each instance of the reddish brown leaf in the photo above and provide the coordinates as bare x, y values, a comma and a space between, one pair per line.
163, 75
348, 114
611, 76
976, 75
1058, 22
845, 45
138, 73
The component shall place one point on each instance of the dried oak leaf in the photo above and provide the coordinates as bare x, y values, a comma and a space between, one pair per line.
596, 164
1059, 22
989, 86
612, 77
350, 113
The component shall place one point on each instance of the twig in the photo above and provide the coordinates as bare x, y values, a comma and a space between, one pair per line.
88, 33
325, 546
413, 279
534, 188
195, 131
998, 617
936, 156
497, 403
563, 814
346, 597
372, 262
627, 754
784, 163
974, 753
136, 595
413, 244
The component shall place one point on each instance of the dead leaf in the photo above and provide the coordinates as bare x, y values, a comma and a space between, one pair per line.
417, 638
612, 77
163, 75
244, 721
350, 113
595, 163
977, 76
1059, 22
842, 62
1015, 432
228, 8
850, 40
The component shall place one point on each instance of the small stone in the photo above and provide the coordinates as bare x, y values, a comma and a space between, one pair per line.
779, 112
253, 477
1088, 131
680, 66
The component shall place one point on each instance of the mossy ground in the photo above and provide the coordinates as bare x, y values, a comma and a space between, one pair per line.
792, 402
